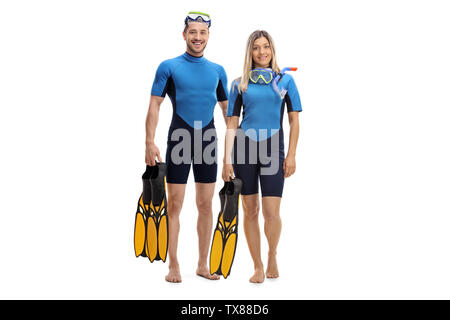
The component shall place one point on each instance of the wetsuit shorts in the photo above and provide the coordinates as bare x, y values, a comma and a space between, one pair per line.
186, 145
259, 163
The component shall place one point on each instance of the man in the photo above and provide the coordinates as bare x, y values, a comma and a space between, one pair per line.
194, 86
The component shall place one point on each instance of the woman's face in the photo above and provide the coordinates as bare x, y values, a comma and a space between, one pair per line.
262, 53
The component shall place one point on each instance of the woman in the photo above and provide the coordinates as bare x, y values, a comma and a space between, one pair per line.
258, 144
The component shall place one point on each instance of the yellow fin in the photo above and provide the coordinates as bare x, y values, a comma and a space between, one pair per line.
139, 234
152, 240
228, 254
216, 252
162, 238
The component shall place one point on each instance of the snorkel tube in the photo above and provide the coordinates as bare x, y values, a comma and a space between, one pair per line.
277, 79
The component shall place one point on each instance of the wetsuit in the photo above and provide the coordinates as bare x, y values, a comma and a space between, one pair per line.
194, 85
258, 152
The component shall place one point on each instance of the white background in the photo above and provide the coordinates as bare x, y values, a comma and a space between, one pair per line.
366, 216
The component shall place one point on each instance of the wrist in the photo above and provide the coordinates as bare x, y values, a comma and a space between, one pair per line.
290, 155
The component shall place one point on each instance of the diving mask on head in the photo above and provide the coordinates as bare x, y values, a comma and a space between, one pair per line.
195, 16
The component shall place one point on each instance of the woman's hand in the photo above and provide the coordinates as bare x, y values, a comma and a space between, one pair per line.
227, 172
152, 152
289, 166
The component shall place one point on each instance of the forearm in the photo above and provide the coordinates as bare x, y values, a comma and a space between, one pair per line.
293, 135
224, 113
151, 121
150, 126
224, 107
232, 124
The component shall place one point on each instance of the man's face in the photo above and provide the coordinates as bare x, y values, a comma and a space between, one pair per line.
196, 37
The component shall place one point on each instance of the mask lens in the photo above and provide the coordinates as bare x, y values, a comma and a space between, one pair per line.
261, 76
198, 17
254, 75
267, 76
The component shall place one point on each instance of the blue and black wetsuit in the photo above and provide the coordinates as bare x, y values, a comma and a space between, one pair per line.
194, 85
258, 152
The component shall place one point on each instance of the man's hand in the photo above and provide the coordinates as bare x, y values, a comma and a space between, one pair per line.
152, 152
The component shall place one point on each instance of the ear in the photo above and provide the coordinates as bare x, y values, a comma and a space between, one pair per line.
184, 35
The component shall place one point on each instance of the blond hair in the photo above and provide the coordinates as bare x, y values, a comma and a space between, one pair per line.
248, 62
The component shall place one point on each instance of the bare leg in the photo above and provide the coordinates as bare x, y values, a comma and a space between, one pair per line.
250, 206
203, 197
175, 197
272, 229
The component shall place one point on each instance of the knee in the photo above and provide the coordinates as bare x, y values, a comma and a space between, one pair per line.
174, 206
271, 215
204, 205
251, 211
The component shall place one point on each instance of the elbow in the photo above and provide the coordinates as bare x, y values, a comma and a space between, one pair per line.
232, 122
293, 123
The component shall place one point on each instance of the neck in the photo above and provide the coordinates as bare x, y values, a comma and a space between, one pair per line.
194, 54
261, 66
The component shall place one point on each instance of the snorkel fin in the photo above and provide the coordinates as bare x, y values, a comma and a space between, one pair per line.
151, 230
158, 225
143, 215
277, 79
223, 247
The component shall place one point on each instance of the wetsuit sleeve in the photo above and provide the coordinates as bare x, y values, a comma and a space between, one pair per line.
222, 86
292, 97
160, 83
235, 100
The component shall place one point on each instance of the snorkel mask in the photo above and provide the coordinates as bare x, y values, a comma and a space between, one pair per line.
195, 16
266, 76
261, 76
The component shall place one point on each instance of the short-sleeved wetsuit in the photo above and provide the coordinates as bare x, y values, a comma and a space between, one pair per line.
258, 152
194, 85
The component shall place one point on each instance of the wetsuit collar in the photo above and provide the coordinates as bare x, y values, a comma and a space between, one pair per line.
191, 58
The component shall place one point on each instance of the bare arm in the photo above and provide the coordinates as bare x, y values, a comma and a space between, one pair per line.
289, 163
227, 171
151, 150
224, 106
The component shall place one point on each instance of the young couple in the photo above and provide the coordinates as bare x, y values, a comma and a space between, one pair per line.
194, 85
